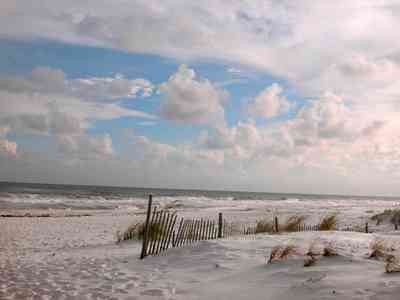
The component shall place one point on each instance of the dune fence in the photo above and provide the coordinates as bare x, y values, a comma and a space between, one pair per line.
249, 229
163, 229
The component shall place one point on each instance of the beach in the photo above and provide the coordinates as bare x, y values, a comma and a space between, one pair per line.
72, 254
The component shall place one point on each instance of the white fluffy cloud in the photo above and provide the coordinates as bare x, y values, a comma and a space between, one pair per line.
350, 72
296, 40
190, 100
269, 103
86, 147
325, 129
7, 147
47, 103
30, 101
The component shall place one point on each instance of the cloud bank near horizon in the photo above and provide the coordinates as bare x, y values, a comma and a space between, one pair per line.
326, 120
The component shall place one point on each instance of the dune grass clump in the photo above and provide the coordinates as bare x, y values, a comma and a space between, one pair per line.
264, 226
378, 249
275, 251
131, 233
392, 215
310, 261
328, 223
281, 252
329, 250
381, 216
312, 254
135, 231
392, 264
313, 249
287, 251
293, 223
395, 218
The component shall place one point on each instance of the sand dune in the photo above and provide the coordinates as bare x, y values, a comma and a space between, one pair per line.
78, 267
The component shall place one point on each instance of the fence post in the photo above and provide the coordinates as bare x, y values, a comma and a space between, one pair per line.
146, 230
276, 224
366, 227
220, 225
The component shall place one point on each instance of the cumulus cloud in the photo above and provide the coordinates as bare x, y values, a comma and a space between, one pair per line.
86, 147
301, 42
53, 81
269, 103
31, 103
7, 147
187, 99
323, 129
295, 40
47, 103
325, 118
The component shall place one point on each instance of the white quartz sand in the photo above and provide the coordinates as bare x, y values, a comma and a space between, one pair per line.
77, 258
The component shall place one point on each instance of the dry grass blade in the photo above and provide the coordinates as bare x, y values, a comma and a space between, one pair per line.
135, 231
293, 223
287, 251
310, 261
264, 226
275, 253
313, 249
392, 215
377, 249
328, 223
392, 264
130, 233
329, 250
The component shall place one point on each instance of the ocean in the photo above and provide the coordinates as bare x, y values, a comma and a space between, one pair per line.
50, 196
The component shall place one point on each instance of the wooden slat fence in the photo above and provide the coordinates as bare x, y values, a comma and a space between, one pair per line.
163, 230
250, 229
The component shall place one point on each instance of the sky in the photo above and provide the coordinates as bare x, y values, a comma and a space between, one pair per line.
277, 96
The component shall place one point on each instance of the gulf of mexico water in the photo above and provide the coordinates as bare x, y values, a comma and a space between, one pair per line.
50, 196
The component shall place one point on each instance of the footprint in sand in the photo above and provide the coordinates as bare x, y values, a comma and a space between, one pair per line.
316, 278
153, 292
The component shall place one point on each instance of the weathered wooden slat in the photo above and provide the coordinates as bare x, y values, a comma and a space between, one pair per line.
171, 231
148, 243
155, 231
146, 229
189, 232
165, 231
196, 231
207, 229
201, 230
220, 224
151, 235
161, 231
177, 233
204, 229
203, 236
182, 235
224, 231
